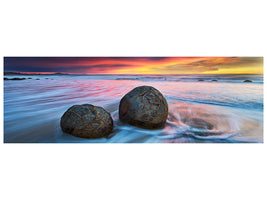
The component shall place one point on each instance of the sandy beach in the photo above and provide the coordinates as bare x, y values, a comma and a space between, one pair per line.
33, 108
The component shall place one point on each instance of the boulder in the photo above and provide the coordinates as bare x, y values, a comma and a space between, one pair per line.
14, 79
144, 107
86, 121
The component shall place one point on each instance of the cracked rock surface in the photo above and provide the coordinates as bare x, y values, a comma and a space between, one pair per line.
87, 121
144, 107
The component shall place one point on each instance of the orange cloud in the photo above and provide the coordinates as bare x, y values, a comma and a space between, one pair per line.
136, 65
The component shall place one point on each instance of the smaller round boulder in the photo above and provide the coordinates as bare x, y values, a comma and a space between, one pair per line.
144, 107
86, 121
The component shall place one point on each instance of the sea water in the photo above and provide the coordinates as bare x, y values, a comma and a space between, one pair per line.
33, 108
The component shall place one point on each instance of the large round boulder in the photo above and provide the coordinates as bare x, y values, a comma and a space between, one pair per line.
86, 121
144, 107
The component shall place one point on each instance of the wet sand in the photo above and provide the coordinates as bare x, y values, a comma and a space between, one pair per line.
202, 112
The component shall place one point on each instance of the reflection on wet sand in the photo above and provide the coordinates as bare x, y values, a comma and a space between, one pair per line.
198, 111
200, 121
207, 122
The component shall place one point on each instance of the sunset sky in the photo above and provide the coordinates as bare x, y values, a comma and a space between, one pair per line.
136, 65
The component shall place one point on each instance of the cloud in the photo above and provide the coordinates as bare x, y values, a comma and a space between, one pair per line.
74, 69
215, 63
141, 65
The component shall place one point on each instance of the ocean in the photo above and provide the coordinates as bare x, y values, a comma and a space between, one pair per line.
33, 108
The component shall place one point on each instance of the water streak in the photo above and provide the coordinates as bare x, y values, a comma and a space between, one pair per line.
226, 110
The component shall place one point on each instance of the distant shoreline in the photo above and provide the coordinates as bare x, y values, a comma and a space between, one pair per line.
26, 73
62, 73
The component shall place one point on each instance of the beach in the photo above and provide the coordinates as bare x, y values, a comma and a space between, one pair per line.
234, 108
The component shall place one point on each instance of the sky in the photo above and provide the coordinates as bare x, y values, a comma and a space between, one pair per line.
136, 65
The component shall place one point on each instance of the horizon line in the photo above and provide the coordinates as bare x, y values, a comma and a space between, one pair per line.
67, 73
